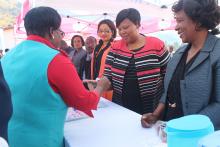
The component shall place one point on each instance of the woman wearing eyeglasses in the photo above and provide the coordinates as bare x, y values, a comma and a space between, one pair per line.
43, 83
106, 32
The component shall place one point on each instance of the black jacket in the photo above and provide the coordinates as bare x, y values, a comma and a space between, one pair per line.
5, 106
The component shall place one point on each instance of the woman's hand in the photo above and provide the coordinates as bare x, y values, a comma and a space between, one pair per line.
91, 84
148, 120
104, 83
99, 86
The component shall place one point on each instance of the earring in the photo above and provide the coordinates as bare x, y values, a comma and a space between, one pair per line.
198, 27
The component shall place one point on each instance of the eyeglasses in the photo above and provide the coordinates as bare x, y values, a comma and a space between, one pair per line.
104, 31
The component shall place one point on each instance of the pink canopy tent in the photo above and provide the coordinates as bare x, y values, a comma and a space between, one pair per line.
82, 17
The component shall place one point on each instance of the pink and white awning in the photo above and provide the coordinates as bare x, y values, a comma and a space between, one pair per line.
83, 16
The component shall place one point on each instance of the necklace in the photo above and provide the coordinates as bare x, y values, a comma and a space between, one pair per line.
173, 105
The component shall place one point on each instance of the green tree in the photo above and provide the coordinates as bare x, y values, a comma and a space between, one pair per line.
9, 9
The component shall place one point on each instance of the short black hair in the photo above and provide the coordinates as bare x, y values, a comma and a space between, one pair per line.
81, 38
111, 25
132, 14
40, 21
204, 12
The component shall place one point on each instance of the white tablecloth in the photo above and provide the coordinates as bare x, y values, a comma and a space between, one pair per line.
112, 126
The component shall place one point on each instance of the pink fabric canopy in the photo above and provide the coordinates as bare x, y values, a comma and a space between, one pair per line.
82, 17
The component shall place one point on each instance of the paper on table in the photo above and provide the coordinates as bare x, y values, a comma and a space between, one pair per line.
73, 114
102, 103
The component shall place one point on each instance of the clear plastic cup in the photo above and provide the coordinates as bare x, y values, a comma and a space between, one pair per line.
160, 127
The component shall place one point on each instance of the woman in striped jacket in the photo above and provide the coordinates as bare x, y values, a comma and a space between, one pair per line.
135, 65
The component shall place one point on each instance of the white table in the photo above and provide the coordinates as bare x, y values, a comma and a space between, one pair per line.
112, 126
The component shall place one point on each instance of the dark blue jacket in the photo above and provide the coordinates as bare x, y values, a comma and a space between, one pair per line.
5, 105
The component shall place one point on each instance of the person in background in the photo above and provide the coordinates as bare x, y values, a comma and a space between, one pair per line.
135, 65
192, 81
6, 50
85, 66
1, 53
42, 93
63, 46
78, 53
171, 50
5, 105
106, 32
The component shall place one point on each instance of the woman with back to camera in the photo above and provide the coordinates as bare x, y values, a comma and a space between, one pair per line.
43, 83
135, 65
106, 32
192, 81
